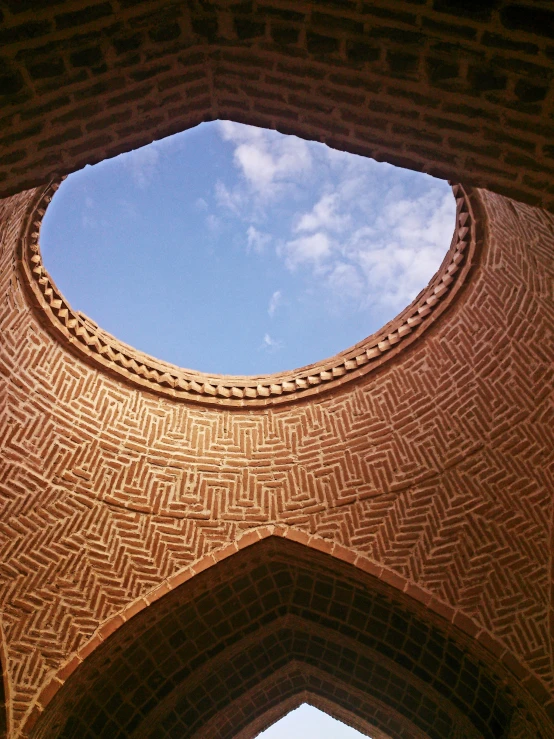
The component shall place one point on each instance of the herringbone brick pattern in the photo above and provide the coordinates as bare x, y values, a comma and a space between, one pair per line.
242, 637
438, 466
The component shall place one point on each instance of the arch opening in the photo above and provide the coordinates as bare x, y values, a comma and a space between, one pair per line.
84, 338
271, 622
238, 250
305, 718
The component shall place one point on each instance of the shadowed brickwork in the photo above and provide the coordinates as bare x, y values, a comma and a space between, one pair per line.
430, 479
186, 658
433, 473
462, 90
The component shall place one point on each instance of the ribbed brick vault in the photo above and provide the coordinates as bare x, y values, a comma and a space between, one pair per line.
178, 568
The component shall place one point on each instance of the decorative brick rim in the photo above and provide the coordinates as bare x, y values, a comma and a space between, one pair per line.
324, 703
107, 352
497, 652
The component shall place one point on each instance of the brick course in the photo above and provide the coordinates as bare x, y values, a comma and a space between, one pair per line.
143, 70
437, 468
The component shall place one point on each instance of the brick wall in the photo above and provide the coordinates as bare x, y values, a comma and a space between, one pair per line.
433, 473
460, 90
437, 469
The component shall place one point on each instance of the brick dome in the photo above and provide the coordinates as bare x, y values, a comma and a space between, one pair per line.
417, 483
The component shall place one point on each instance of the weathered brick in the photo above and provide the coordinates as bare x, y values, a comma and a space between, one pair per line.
22, 133
110, 120
483, 79
497, 41
11, 82
439, 70
125, 44
206, 27
539, 21
284, 36
361, 52
282, 13
474, 9
449, 124
164, 33
402, 64
342, 96
389, 13
81, 17
23, 32
98, 142
334, 23
418, 133
523, 161
530, 93
247, 29
450, 29
318, 44
86, 57
470, 111
82, 112
47, 68
486, 150
425, 46
399, 36
100, 88
146, 74
13, 156
540, 72
62, 138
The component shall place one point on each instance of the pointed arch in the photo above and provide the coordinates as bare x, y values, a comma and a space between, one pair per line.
206, 638
295, 684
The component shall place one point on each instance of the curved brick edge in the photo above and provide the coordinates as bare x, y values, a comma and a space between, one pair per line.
6, 721
101, 349
492, 648
325, 703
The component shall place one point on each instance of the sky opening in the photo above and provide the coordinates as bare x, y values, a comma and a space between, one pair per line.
307, 722
237, 250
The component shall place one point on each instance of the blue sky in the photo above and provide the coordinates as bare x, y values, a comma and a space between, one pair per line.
238, 250
307, 722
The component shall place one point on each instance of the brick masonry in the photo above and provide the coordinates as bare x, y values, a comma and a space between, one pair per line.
431, 477
437, 469
107, 352
462, 90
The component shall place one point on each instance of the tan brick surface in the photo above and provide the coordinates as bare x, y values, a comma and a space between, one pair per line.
432, 475
438, 468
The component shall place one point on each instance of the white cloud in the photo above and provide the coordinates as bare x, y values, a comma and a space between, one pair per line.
234, 200
307, 249
271, 345
201, 204
213, 224
363, 232
268, 163
256, 240
142, 164
346, 282
324, 215
274, 302
400, 252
